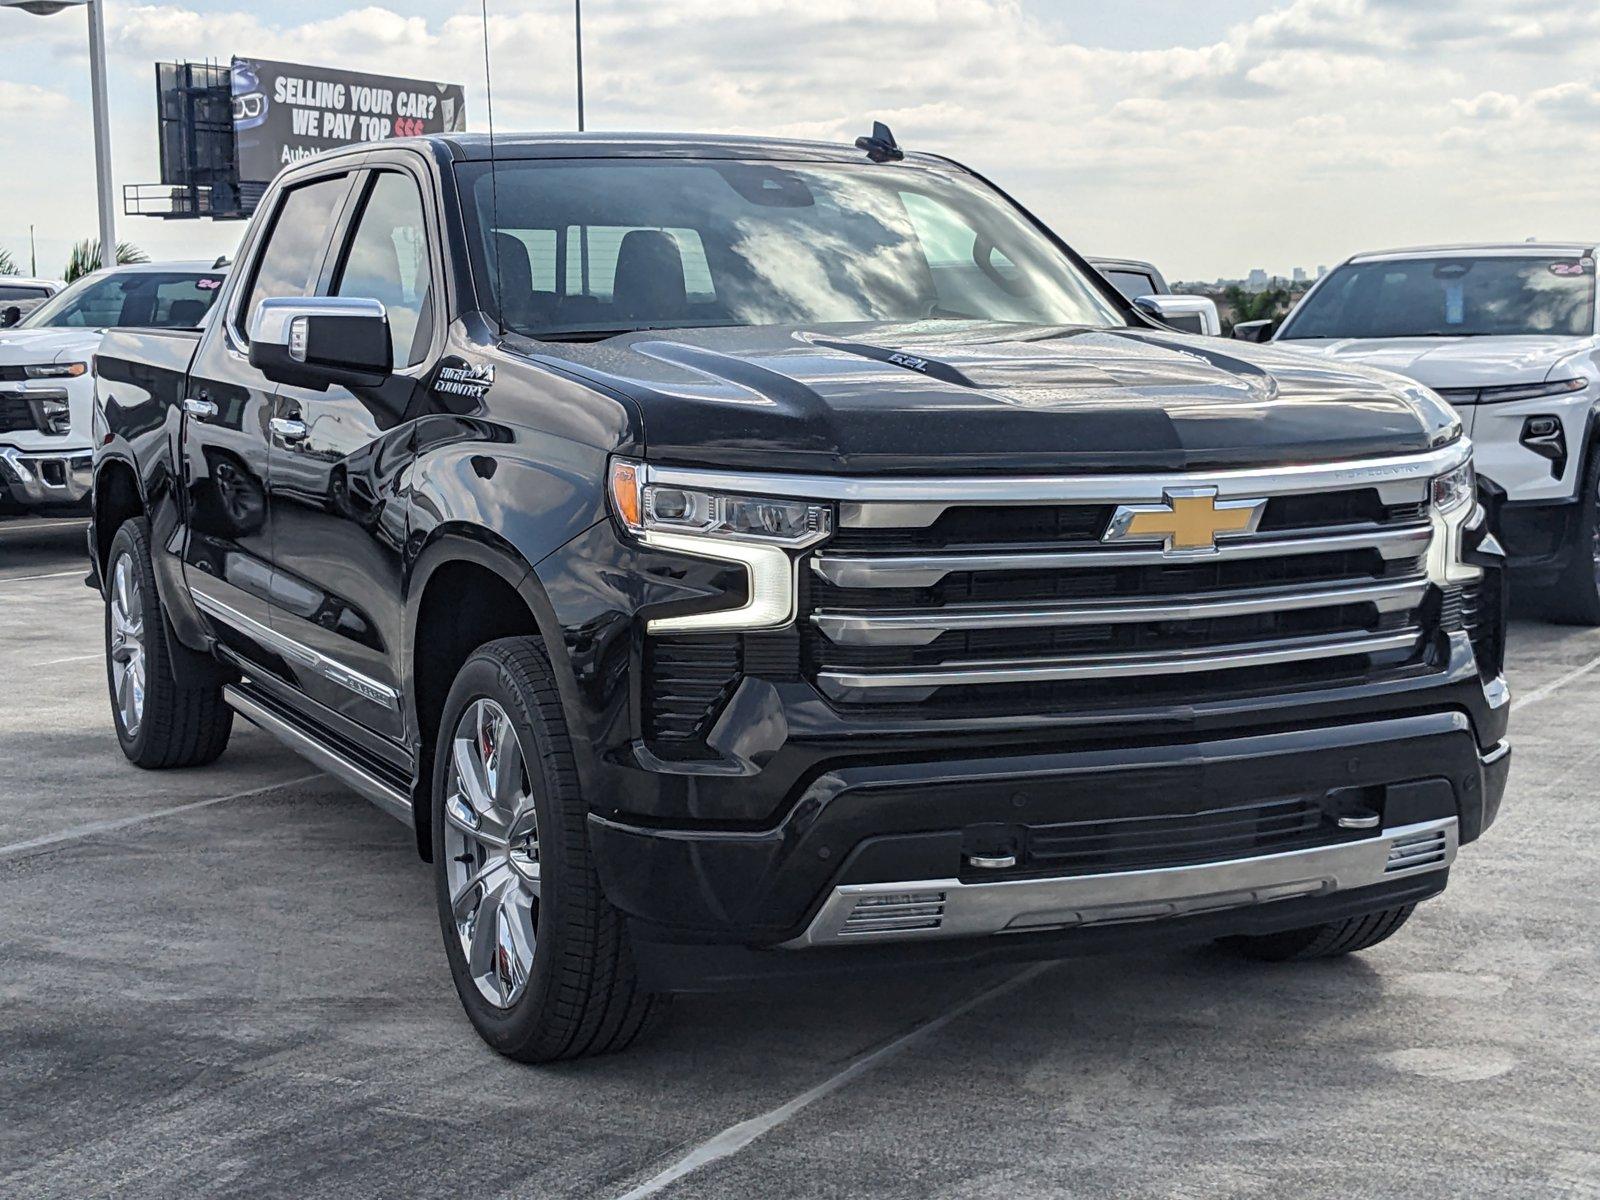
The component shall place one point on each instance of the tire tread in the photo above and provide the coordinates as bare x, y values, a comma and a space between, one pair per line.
183, 726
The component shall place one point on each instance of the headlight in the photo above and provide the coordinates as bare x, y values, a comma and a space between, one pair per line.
56, 370
1455, 488
758, 532
1453, 508
1531, 391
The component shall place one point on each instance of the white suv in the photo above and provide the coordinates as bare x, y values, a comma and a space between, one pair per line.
1508, 335
47, 387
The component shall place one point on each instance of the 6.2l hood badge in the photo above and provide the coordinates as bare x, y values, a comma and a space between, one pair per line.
1189, 520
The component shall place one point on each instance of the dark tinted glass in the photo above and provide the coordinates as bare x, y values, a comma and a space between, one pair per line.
1132, 284
388, 261
10, 291
1450, 297
295, 246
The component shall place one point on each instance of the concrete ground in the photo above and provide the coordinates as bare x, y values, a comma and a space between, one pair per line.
228, 982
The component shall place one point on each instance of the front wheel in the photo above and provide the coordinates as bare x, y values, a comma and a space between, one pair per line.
160, 722
1576, 599
1331, 940
540, 960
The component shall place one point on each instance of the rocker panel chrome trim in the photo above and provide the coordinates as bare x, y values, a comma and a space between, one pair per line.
330, 669
1030, 905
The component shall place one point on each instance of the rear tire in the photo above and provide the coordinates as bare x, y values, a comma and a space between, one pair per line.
540, 960
1331, 940
160, 723
1576, 597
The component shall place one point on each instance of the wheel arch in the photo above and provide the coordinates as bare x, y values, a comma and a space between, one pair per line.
116, 497
468, 586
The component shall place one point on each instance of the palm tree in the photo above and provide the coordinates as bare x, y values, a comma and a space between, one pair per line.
8, 265
86, 257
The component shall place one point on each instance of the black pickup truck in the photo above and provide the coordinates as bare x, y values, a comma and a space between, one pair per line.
741, 560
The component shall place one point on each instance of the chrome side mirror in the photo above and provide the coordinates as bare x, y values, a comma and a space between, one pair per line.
1191, 314
321, 341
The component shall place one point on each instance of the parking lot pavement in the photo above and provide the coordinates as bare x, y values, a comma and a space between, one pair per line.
248, 998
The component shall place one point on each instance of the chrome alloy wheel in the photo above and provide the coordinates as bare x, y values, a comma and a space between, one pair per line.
127, 646
492, 843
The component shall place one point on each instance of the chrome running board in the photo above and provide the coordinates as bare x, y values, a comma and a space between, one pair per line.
391, 800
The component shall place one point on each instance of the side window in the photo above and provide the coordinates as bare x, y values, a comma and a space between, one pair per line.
1132, 284
387, 260
295, 246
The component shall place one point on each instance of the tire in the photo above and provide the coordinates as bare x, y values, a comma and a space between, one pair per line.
540, 960
1575, 599
160, 723
1331, 940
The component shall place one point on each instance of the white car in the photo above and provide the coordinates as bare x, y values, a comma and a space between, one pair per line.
1509, 334
46, 383
19, 296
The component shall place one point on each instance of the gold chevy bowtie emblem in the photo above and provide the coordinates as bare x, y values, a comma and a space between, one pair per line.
1191, 519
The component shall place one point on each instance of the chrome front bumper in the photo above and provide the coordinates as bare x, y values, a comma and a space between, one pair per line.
46, 477
941, 908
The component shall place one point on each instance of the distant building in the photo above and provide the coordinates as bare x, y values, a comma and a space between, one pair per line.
1299, 274
1257, 282
1321, 271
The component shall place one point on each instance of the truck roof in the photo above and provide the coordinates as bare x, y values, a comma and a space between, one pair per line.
1480, 249
511, 146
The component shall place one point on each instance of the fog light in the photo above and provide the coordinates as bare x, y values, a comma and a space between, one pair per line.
1546, 438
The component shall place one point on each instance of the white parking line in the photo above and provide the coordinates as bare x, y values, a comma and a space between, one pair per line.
99, 827
1542, 693
61, 526
80, 573
736, 1137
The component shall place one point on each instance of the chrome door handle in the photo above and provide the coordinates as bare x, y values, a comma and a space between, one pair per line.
289, 429
200, 407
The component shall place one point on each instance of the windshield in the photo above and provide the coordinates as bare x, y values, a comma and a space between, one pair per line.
604, 246
1450, 296
159, 299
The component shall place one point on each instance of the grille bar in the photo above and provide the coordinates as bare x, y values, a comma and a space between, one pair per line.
864, 684
925, 570
920, 628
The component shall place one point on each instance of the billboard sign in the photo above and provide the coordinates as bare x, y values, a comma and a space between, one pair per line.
284, 112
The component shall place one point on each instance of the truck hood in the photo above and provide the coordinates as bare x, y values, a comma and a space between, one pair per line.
33, 346
974, 397
1453, 362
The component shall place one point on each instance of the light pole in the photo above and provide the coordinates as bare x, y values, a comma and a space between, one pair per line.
102, 124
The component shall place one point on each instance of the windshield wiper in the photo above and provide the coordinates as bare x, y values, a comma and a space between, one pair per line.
600, 334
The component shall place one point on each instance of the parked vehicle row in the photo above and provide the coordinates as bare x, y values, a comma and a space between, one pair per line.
741, 559
46, 388
1509, 335
19, 297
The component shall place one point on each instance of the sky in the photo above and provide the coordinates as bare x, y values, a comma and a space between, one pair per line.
1210, 136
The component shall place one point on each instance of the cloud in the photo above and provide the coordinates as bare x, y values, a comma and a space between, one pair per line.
30, 102
1344, 122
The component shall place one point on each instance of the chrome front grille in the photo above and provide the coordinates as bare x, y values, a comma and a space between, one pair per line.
988, 603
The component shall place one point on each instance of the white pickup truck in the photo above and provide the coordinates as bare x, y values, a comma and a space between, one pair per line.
46, 385
1509, 334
